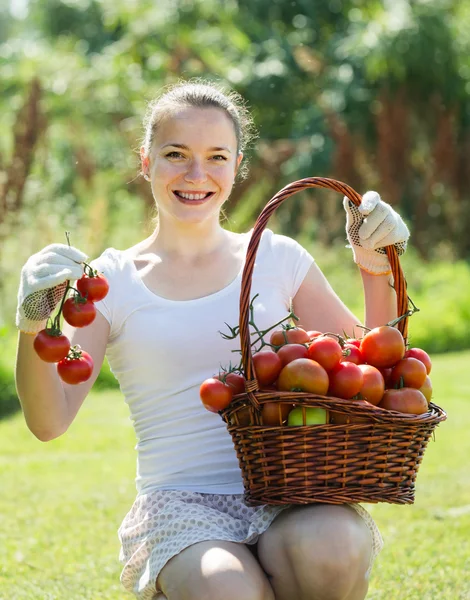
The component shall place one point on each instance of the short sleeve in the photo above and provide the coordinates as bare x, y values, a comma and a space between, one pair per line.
292, 260
109, 264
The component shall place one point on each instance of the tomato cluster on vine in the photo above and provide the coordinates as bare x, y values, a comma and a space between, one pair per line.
74, 365
376, 369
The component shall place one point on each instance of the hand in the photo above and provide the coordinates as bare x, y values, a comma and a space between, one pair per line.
370, 227
43, 281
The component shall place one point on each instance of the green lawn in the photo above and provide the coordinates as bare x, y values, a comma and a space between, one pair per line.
62, 502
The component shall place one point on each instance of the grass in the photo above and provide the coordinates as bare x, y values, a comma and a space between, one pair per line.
62, 502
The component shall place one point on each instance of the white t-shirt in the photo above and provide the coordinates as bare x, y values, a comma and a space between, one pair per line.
161, 351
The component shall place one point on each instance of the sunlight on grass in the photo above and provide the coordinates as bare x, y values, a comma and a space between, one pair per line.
62, 502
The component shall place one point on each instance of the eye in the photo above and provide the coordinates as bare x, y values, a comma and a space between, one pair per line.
219, 156
173, 154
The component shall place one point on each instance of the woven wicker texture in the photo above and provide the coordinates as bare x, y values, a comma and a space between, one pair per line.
374, 461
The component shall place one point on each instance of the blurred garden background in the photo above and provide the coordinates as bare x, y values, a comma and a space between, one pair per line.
373, 93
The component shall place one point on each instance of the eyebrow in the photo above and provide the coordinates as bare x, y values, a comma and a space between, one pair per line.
183, 147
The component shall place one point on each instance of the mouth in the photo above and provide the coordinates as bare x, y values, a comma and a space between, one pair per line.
193, 197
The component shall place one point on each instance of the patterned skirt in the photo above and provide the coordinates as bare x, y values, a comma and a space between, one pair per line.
161, 524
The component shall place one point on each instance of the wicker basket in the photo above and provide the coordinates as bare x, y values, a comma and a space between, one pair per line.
374, 461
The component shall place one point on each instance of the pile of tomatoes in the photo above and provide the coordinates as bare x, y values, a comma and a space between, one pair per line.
377, 369
74, 365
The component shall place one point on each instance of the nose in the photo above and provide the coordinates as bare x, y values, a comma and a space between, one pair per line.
196, 172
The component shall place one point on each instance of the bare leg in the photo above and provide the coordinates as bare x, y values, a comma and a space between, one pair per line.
317, 552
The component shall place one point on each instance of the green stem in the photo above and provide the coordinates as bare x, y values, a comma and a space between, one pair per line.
263, 332
56, 323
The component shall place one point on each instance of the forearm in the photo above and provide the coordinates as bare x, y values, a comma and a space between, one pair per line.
40, 392
380, 299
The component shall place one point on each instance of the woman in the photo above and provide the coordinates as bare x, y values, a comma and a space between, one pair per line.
189, 534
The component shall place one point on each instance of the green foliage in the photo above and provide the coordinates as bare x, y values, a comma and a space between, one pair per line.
9, 402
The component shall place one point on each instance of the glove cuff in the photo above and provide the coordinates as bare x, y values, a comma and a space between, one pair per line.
27, 326
371, 261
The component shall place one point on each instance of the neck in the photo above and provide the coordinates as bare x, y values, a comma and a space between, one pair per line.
188, 241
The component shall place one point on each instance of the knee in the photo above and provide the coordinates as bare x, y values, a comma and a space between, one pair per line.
327, 551
221, 575
333, 559
236, 588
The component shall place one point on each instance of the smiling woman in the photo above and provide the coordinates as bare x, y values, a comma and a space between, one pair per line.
190, 534
186, 170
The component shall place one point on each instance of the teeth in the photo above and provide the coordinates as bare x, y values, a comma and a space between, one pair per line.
192, 196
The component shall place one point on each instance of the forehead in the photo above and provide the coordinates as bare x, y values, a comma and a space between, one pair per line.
196, 127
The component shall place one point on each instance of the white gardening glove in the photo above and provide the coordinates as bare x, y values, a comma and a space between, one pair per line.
370, 227
42, 285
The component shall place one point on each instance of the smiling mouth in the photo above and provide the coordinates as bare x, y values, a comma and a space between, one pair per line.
193, 197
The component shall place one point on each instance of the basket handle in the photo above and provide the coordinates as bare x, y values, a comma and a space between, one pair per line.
289, 190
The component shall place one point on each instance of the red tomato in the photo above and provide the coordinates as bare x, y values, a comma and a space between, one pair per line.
426, 388
351, 353
215, 395
325, 350
75, 369
386, 373
420, 355
346, 380
78, 312
51, 345
93, 288
267, 365
305, 375
383, 346
373, 387
312, 334
275, 413
354, 342
412, 370
405, 400
294, 335
234, 380
290, 352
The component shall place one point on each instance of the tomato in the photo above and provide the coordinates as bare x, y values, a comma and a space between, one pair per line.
290, 352
267, 365
312, 334
353, 342
93, 288
304, 374
275, 412
426, 388
420, 355
325, 350
75, 368
234, 380
412, 370
405, 400
292, 335
373, 387
346, 380
351, 353
215, 395
51, 345
78, 312
383, 346
386, 373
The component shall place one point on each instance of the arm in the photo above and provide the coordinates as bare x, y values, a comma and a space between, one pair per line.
370, 228
319, 308
50, 405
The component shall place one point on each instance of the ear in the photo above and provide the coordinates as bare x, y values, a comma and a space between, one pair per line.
145, 160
